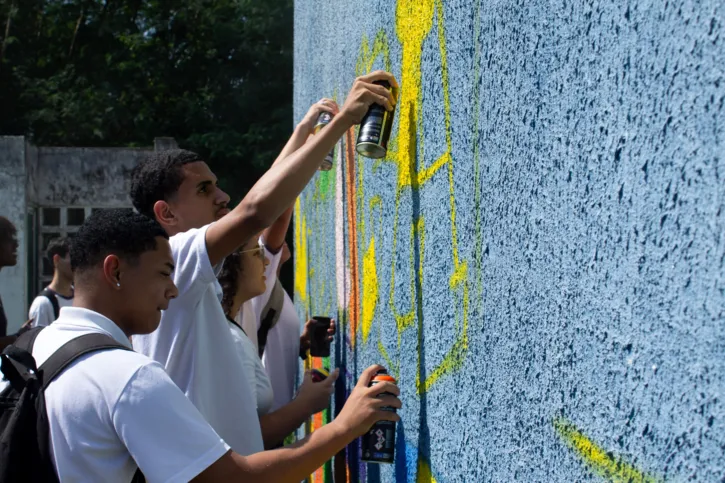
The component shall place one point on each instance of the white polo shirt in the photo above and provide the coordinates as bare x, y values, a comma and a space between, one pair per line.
113, 411
255, 371
281, 354
41, 310
194, 346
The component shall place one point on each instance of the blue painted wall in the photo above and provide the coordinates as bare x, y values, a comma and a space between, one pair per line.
541, 258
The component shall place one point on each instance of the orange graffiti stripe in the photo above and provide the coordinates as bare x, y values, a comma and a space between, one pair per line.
354, 309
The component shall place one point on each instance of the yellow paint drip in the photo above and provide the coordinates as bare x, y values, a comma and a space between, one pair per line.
606, 465
425, 475
370, 289
301, 270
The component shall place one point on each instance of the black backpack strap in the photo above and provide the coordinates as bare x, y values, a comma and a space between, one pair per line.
71, 351
270, 315
26, 340
51, 295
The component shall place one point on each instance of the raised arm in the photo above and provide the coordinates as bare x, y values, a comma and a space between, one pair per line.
277, 189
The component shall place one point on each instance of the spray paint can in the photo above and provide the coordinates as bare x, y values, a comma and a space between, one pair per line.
323, 120
375, 128
378, 444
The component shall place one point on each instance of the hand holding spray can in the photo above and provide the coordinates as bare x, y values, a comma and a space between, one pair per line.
375, 128
323, 120
378, 444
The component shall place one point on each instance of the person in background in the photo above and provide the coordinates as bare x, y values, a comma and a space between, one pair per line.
115, 411
179, 191
241, 279
46, 306
8, 258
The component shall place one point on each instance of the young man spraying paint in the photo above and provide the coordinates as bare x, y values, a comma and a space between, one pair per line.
178, 189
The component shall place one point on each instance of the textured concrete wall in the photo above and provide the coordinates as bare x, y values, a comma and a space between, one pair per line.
83, 176
33, 177
540, 260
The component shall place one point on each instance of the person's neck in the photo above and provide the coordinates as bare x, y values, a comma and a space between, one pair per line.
61, 285
238, 303
101, 304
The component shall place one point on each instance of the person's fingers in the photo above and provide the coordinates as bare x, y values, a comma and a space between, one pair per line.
382, 92
330, 380
380, 75
383, 415
367, 375
385, 386
389, 401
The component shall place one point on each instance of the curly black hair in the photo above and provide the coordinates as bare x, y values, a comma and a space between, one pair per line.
58, 246
158, 177
229, 280
120, 232
7, 229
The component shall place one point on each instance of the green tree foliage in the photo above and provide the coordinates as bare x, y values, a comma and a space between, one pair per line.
214, 74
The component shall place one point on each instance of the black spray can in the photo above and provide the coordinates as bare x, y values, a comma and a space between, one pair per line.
375, 129
378, 444
323, 120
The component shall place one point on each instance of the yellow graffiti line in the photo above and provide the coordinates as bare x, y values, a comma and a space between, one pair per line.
414, 19
366, 57
370, 289
425, 475
603, 463
301, 265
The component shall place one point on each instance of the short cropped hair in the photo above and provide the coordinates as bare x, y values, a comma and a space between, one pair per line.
58, 246
113, 232
158, 177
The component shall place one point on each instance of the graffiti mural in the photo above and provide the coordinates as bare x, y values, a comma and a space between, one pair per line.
539, 258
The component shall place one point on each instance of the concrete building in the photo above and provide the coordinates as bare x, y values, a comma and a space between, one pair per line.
48, 192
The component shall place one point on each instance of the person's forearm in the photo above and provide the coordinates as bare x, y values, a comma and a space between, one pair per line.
275, 191
275, 234
295, 462
277, 425
296, 141
278, 188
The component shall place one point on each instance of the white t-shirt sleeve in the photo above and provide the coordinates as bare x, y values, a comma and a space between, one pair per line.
41, 311
270, 273
164, 433
193, 271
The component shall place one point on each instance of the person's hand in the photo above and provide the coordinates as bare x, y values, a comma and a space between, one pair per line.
316, 395
307, 334
363, 407
364, 93
307, 124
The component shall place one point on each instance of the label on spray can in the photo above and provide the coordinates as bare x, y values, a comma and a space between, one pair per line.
371, 127
323, 120
378, 444
375, 128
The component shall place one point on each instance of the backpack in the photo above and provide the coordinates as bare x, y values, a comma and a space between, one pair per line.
270, 315
24, 430
51, 295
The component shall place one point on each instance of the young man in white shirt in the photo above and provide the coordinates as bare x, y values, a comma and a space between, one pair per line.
46, 306
178, 189
114, 411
